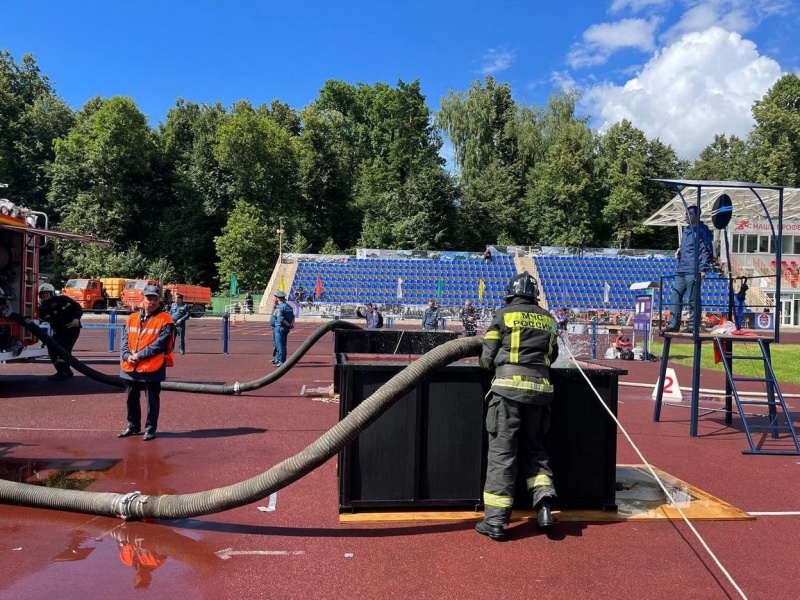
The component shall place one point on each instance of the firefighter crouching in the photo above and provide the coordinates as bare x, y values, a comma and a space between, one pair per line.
64, 316
519, 347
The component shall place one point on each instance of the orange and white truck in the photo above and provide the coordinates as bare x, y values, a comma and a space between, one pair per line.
96, 294
20, 242
132, 293
197, 296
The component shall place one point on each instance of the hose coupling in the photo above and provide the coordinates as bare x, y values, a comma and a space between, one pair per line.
237, 388
123, 505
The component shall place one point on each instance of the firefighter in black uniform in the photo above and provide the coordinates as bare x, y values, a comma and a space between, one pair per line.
64, 316
519, 347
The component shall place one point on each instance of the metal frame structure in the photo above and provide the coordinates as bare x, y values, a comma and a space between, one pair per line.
704, 194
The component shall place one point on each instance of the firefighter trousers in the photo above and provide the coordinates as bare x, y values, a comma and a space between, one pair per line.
515, 427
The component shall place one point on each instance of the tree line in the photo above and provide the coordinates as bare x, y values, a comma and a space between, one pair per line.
205, 194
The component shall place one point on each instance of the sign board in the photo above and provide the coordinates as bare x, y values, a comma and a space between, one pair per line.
642, 322
764, 320
672, 391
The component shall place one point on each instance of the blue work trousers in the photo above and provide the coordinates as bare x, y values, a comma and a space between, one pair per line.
280, 336
684, 284
180, 329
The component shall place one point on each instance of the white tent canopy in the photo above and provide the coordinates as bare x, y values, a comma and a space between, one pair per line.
744, 197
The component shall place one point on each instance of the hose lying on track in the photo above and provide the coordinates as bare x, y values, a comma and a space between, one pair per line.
225, 389
182, 506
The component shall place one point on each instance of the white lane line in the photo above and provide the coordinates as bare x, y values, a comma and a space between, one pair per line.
273, 501
226, 553
788, 513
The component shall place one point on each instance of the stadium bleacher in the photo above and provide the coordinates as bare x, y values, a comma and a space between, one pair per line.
579, 283
376, 280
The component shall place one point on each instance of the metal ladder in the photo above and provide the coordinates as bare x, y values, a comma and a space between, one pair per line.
28, 289
773, 402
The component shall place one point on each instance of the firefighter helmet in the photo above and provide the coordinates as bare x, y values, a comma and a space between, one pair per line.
523, 285
47, 287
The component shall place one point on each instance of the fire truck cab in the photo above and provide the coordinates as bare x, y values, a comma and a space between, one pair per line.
20, 242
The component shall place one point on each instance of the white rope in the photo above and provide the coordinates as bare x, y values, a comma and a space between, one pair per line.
656, 477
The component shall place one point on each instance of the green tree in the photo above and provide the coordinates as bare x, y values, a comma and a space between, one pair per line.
724, 159
776, 135
162, 270
247, 248
31, 118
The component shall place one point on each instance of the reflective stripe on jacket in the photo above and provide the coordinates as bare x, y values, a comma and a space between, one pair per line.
140, 335
520, 345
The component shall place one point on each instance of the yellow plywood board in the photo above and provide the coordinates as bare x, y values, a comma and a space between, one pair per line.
640, 500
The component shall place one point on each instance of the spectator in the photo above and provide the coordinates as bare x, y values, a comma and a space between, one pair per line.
560, 315
487, 256
624, 346
146, 352
248, 302
469, 319
179, 311
696, 244
430, 318
373, 317
64, 316
282, 321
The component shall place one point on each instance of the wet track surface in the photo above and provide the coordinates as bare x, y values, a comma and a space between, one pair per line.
291, 545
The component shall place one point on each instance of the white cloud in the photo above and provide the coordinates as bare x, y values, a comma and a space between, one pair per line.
496, 60
701, 85
602, 40
636, 5
707, 15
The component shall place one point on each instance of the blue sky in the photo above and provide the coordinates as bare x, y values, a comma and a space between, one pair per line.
681, 70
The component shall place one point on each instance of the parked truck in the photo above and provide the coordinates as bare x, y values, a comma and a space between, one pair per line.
96, 294
20, 243
132, 293
197, 296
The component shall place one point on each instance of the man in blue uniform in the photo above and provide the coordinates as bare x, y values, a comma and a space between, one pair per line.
282, 320
696, 242
179, 311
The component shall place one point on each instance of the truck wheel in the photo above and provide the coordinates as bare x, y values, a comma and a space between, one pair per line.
98, 305
198, 310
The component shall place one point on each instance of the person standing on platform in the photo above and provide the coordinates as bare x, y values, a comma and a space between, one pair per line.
179, 311
741, 302
519, 346
282, 320
430, 318
146, 352
64, 316
469, 319
696, 242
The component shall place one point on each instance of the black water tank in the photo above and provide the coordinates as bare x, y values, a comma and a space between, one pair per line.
429, 449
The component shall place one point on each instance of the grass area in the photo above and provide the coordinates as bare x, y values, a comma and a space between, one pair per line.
785, 359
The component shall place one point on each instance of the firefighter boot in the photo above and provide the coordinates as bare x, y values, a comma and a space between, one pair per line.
496, 532
545, 516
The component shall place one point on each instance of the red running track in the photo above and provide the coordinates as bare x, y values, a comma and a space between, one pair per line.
299, 549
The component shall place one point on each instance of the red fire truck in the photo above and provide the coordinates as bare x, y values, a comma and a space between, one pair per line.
20, 240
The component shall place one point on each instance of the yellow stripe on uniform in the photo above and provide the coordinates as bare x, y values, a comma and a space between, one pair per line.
498, 501
539, 481
492, 335
531, 386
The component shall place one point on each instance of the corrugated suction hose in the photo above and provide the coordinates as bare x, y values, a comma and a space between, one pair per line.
181, 506
181, 386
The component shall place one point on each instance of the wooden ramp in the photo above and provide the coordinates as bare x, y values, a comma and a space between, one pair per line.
639, 498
